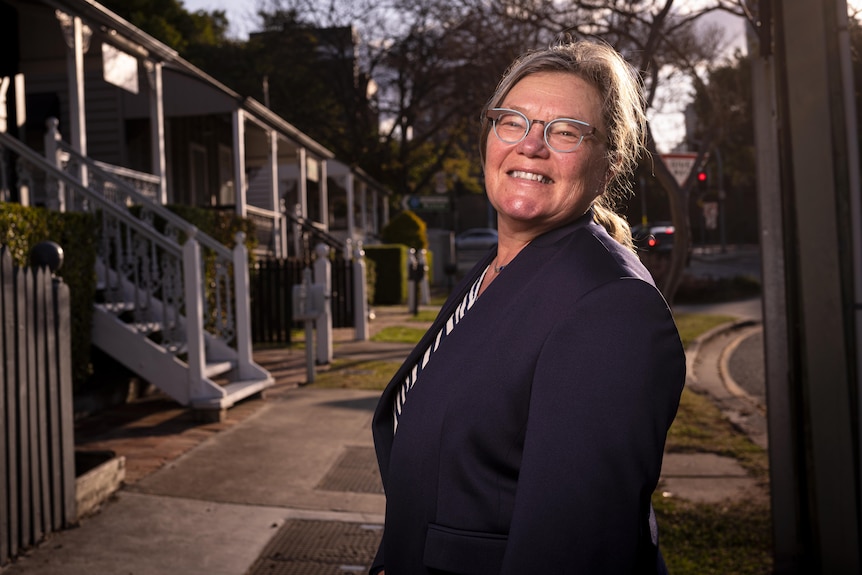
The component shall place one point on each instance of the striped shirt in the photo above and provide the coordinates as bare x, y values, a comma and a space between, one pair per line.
409, 381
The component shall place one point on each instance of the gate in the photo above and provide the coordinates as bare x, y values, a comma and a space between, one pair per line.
37, 448
272, 282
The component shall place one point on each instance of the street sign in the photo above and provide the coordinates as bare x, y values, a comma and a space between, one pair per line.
425, 203
679, 164
710, 215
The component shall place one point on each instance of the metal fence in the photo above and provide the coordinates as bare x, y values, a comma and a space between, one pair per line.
37, 451
271, 287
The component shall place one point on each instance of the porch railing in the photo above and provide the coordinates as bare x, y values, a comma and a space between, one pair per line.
147, 184
152, 262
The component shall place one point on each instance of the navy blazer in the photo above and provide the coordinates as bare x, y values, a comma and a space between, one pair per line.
533, 439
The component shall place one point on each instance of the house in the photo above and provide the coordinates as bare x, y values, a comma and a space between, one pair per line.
100, 115
147, 109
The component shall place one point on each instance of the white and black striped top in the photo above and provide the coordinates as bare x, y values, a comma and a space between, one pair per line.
413, 375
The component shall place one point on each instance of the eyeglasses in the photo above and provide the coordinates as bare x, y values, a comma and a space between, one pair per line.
562, 135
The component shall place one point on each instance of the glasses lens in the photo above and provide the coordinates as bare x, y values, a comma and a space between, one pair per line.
565, 135
511, 127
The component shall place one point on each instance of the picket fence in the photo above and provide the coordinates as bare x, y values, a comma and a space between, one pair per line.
37, 452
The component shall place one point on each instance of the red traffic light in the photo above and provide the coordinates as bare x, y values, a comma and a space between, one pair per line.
701, 177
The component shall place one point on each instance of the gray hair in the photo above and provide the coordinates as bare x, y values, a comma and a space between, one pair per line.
622, 99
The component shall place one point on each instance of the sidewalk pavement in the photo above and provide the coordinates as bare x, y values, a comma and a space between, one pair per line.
286, 484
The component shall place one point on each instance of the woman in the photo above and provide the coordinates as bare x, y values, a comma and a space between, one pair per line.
525, 432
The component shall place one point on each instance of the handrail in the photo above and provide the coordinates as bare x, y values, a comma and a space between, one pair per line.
306, 225
262, 212
36, 159
141, 199
124, 172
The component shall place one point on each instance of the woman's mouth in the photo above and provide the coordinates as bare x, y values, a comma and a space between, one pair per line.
531, 177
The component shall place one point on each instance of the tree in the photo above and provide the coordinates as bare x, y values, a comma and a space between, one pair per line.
731, 99
667, 44
169, 22
434, 62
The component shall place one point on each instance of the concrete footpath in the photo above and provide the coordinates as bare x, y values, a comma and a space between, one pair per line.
287, 484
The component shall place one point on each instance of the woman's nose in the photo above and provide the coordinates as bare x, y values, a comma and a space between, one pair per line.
534, 143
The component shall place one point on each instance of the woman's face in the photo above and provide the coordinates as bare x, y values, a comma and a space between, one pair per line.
533, 188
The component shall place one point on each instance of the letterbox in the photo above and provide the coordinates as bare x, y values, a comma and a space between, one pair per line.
308, 301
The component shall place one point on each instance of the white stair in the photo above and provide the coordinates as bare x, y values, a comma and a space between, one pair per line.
222, 386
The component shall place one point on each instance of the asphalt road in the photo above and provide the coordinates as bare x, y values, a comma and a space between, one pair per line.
746, 364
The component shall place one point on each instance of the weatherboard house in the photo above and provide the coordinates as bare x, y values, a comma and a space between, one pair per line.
95, 114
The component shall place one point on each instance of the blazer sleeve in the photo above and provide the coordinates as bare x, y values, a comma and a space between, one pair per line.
606, 388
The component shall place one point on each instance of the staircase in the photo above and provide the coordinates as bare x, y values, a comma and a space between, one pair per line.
172, 303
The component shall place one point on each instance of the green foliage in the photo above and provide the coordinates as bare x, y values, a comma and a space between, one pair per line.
370, 279
21, 228
390, 264
169, 22
406, 228
711, 290
701, 539
692, 325
220, 225
399, 334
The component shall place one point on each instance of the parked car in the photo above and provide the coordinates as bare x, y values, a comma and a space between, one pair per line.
476, 239
654, 237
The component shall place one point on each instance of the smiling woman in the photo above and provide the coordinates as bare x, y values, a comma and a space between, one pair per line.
525, 431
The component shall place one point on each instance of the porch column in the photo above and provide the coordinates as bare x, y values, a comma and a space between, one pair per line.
157, 127
349, 181
375, 210
363, 207
77, 38
239, 160
324, 196
302, 184
385, 215
278, 227
273, 169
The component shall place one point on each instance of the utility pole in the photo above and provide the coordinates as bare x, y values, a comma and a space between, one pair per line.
811, 238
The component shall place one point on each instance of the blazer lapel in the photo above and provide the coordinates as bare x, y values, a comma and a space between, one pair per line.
382, 424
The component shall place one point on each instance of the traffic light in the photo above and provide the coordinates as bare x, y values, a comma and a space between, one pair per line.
702, 180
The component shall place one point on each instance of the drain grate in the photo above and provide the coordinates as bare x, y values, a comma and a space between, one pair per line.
306, 547
355, 471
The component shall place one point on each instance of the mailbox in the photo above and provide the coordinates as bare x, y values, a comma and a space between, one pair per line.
308, 301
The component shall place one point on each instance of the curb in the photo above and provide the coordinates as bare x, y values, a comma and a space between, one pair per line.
693, 349
727, 377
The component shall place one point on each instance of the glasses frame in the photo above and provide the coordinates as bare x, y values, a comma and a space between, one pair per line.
494, 115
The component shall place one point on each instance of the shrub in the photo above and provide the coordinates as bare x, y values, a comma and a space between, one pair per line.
21, 228
390, 266
406, 228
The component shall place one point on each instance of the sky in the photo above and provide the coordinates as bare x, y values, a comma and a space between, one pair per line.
240, 13
668, 125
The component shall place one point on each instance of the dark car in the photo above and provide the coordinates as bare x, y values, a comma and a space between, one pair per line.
654, 237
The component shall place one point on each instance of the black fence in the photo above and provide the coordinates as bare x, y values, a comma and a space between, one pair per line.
37, 448
272, 282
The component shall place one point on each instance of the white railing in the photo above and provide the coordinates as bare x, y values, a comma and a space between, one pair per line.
147, 184
271, 230
154, 265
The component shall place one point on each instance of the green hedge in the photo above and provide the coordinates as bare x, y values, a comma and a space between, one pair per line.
390, 266
406, 228
22, 228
